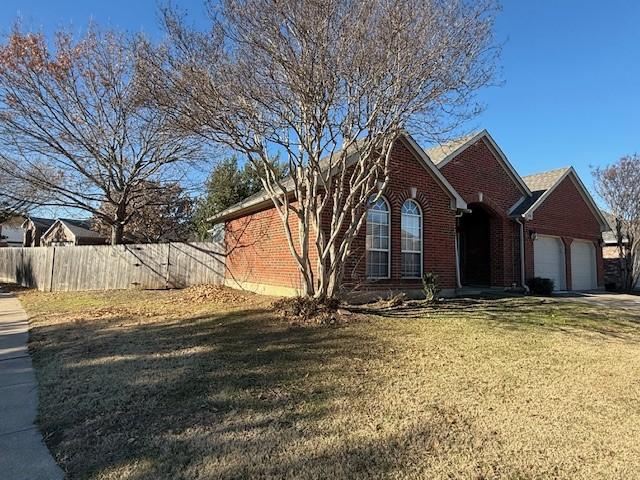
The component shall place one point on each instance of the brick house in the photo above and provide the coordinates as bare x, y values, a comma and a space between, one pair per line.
459, 210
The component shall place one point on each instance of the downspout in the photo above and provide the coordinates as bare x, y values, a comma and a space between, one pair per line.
458, 279
522, 262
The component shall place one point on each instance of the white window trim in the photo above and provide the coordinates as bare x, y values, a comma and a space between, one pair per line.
421, 251
388, 250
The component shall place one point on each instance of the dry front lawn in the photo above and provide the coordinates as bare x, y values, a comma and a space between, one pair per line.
182, 385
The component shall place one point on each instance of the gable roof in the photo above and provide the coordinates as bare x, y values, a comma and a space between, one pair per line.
444, 153
39, 222
261, 199
543, 185
438, 153
80, 229
538, 183
544, 180
610, 237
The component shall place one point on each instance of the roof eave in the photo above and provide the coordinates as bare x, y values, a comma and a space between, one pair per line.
457, 202
257, 204
604, 225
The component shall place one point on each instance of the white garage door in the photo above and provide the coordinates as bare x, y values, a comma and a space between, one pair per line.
583, 265
548, 255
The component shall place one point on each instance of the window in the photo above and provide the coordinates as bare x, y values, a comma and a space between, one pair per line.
411, 240
378, 239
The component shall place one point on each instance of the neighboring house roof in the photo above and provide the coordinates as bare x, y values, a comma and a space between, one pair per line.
80, 229
39, 222
16, 221
442, 154
610, 237
262, 198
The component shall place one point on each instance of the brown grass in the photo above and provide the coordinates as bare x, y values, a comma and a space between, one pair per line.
146, 385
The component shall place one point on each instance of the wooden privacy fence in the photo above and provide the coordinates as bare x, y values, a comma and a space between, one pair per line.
104, 267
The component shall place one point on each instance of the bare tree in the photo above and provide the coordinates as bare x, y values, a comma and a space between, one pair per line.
11, 206
75, 127
160, 213
330, 85
619, 187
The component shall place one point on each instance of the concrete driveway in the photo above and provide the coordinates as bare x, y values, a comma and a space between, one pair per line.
605, 299
23, 454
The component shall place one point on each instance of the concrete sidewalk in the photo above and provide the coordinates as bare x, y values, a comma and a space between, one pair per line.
23, 455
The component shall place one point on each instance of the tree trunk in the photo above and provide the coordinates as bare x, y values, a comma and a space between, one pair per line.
117, 232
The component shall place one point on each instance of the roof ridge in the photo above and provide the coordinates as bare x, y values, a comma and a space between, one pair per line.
545, 172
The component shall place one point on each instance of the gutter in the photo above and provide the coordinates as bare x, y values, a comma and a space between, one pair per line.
457, 247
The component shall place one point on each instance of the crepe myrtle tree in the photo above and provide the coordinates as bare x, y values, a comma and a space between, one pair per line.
329, 85
618, 185
75, 127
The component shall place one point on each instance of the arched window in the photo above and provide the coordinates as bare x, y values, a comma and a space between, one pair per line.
378, 239
411, 240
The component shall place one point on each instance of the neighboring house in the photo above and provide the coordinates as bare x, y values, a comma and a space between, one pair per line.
11, 232
67, 232
473, 220
611, 255
33, 228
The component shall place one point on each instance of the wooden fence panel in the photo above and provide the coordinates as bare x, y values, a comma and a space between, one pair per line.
104, 267
10, 262
194, 264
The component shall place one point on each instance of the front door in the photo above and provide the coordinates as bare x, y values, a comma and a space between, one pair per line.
475, 248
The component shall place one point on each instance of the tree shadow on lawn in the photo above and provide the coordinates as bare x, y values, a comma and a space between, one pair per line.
523, 313
233, 395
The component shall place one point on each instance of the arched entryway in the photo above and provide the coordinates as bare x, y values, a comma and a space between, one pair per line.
475, 246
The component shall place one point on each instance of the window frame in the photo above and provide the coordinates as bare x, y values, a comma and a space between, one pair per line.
387, 250
420, 216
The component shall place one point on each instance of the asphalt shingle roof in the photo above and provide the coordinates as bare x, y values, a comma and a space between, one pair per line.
544, 180
538, 183
81, 228
438, 153
42, 223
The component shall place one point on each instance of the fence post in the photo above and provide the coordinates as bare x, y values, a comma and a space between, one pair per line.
168, 275
53, 264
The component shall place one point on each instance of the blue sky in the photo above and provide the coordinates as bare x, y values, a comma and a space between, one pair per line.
571, 72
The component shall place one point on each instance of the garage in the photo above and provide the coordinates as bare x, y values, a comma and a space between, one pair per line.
583, 265
548, 255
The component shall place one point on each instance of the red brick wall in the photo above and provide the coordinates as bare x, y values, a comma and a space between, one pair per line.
476, 171
565, 214
258, 250
438, 222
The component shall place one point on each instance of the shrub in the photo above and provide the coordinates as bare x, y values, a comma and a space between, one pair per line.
430, 286
540, 286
